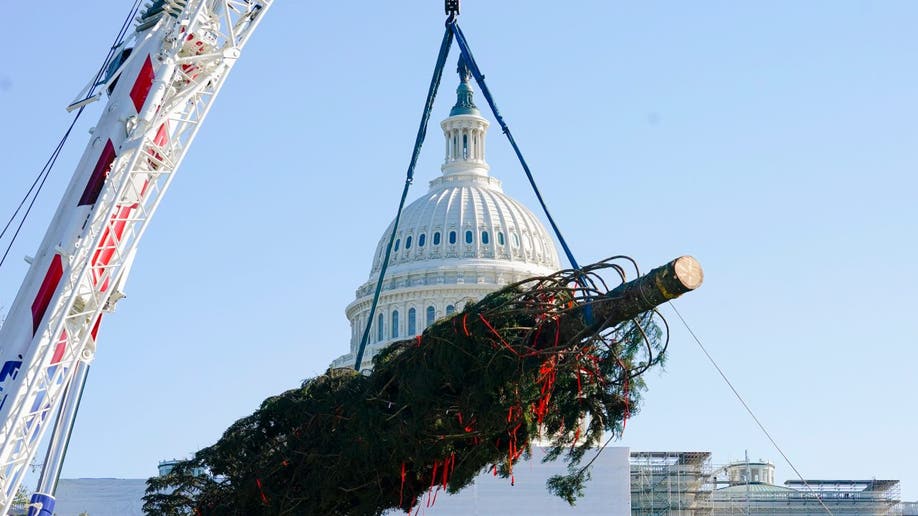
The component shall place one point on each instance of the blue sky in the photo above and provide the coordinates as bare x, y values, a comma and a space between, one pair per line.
776, 142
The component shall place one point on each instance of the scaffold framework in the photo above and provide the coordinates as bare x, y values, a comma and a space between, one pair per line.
686, 484
670, 483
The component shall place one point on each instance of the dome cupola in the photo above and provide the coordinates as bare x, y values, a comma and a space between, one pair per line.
464, 132
465, 103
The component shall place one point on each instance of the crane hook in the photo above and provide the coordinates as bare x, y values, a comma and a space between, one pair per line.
452, 9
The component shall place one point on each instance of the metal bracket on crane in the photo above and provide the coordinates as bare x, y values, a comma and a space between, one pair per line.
80, 103
452, 7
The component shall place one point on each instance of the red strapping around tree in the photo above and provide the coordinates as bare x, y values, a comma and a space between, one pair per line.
548, 374
401, 490
264, 499
514, 415
496, 334
433, 481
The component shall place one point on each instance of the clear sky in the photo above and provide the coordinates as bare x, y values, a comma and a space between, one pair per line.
774, 141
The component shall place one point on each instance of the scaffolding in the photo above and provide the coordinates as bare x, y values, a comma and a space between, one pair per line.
670, 483
685, 484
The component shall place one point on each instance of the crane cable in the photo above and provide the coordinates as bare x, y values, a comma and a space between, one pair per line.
32, 194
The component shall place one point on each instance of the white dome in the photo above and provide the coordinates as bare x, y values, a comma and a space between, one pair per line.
466, 219
462, 240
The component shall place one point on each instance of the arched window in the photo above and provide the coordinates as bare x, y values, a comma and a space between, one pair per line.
452, 237
422, 239
515, 239
394, 330
436, 238
408, 242
468, 237
431, 315
500, 237
380, 335
397, 242
412, 322
485, 238
450, 309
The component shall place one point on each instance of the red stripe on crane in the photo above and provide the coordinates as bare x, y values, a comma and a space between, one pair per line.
162, 136
111, 239
160, 140
59, 350
95, 329
142, 85
46, 291
97, 179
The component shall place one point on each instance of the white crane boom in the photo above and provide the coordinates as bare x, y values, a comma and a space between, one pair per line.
161, 86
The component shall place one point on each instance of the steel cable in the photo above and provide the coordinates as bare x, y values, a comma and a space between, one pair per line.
39, 182
746, 405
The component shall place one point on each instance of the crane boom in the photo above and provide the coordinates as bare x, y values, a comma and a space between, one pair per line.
161, 86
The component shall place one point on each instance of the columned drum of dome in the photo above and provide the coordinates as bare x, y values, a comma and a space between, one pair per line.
460, 241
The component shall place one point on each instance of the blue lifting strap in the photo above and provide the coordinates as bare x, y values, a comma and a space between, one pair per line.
479, 78
419, 141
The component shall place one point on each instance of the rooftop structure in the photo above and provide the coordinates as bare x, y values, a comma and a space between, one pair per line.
685, 484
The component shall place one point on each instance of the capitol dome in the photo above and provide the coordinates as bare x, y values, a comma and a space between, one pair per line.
462, 240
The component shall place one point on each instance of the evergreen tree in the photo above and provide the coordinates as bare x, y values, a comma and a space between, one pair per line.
551, 358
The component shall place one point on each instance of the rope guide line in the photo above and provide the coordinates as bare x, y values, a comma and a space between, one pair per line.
746, 405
